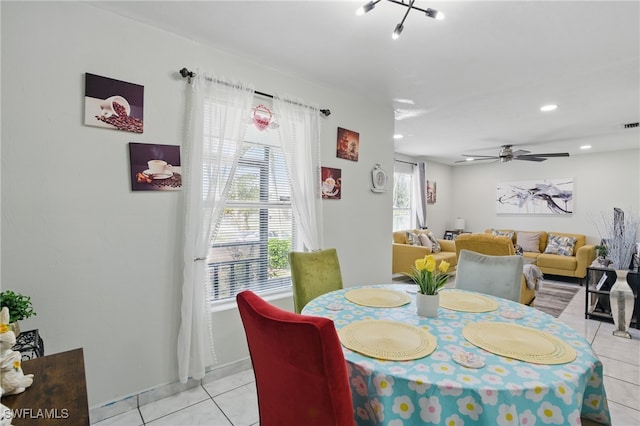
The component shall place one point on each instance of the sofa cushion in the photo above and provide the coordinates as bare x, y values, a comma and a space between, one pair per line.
560, 244
556, 262
435, 245
400, 237
529, 241
501, 232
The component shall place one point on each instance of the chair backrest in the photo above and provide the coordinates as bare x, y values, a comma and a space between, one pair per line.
495, 275
313, 274
494, 245
300, 370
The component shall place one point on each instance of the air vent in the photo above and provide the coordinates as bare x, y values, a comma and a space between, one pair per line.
631, 125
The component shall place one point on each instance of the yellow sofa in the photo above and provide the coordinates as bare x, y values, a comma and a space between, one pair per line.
569, 266
494, 245
405, 255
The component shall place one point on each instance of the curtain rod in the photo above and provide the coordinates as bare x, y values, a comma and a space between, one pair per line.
406, 162
185, 73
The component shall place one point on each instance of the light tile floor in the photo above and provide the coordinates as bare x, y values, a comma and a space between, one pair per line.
232, 401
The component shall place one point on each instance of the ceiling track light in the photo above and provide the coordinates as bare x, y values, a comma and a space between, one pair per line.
431, 13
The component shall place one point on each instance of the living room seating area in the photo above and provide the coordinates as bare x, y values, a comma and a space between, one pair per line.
556, 253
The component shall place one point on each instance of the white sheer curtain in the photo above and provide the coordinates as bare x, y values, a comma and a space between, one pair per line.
300, 139
217, 121
420, 193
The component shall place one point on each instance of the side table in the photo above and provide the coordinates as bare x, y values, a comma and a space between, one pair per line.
58, 395
596, 304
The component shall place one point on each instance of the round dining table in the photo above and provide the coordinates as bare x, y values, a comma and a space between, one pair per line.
435, 389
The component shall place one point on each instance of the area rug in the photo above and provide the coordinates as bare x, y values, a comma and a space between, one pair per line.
553, 298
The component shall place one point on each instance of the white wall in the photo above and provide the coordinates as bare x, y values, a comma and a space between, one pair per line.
102, 263
601, 182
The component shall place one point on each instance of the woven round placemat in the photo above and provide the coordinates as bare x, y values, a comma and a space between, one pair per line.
377, 297
389, 340
519, 342
466, 302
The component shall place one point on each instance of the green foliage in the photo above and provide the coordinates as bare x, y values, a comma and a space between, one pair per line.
19, 306
602, 250
278, 253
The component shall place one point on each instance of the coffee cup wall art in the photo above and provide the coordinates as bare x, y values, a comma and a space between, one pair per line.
113, 104
331, 185
155, 167
348, 145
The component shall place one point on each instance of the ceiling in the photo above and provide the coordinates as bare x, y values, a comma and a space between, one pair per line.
479, 77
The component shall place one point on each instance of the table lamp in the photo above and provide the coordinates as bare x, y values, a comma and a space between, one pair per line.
460, 224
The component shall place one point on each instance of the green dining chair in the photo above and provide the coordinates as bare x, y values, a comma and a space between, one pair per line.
499, 276
313, 274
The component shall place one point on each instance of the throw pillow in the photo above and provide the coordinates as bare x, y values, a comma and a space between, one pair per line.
424, 240
413, 239
502, 233
518, 249
435, 245
529, 241
561, 245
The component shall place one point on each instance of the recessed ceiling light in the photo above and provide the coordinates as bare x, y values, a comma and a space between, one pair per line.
585, 147
549, 107
398, 136
405, 101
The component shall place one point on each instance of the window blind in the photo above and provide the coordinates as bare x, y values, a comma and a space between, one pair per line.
257, 230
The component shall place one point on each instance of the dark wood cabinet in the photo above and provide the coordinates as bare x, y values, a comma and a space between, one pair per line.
58, 395
596, 304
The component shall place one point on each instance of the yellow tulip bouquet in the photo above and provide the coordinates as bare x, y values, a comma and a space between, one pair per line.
429, 279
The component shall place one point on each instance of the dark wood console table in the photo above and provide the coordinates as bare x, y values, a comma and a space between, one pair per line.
58, 395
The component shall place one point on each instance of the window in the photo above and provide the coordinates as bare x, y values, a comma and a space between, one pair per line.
256, 232
401, 201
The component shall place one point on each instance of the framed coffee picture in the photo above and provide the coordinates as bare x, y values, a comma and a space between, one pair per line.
331, 184
348, 145
155, 167
113, 104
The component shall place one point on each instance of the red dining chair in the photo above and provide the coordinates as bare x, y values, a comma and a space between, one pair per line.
301, 374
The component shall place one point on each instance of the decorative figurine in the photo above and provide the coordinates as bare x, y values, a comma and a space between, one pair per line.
5, 413
14, 381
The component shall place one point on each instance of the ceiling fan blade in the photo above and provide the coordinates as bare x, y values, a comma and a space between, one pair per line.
480, 156
477, 158
520, 152
529, 158
552, 154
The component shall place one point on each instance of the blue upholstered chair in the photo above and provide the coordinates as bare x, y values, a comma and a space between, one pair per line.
494, 275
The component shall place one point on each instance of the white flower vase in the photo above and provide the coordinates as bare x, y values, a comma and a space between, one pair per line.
621, 301
427, 304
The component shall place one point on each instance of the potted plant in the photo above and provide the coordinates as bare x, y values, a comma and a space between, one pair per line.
602, 251
20, 307
430, 281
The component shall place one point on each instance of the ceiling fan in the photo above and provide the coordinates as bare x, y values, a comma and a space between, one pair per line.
507, 154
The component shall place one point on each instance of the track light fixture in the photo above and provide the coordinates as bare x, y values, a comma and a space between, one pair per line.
431, 13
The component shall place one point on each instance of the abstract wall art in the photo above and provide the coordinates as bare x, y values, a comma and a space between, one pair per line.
544, 196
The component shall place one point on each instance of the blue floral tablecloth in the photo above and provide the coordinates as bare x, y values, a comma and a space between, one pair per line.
437, 390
